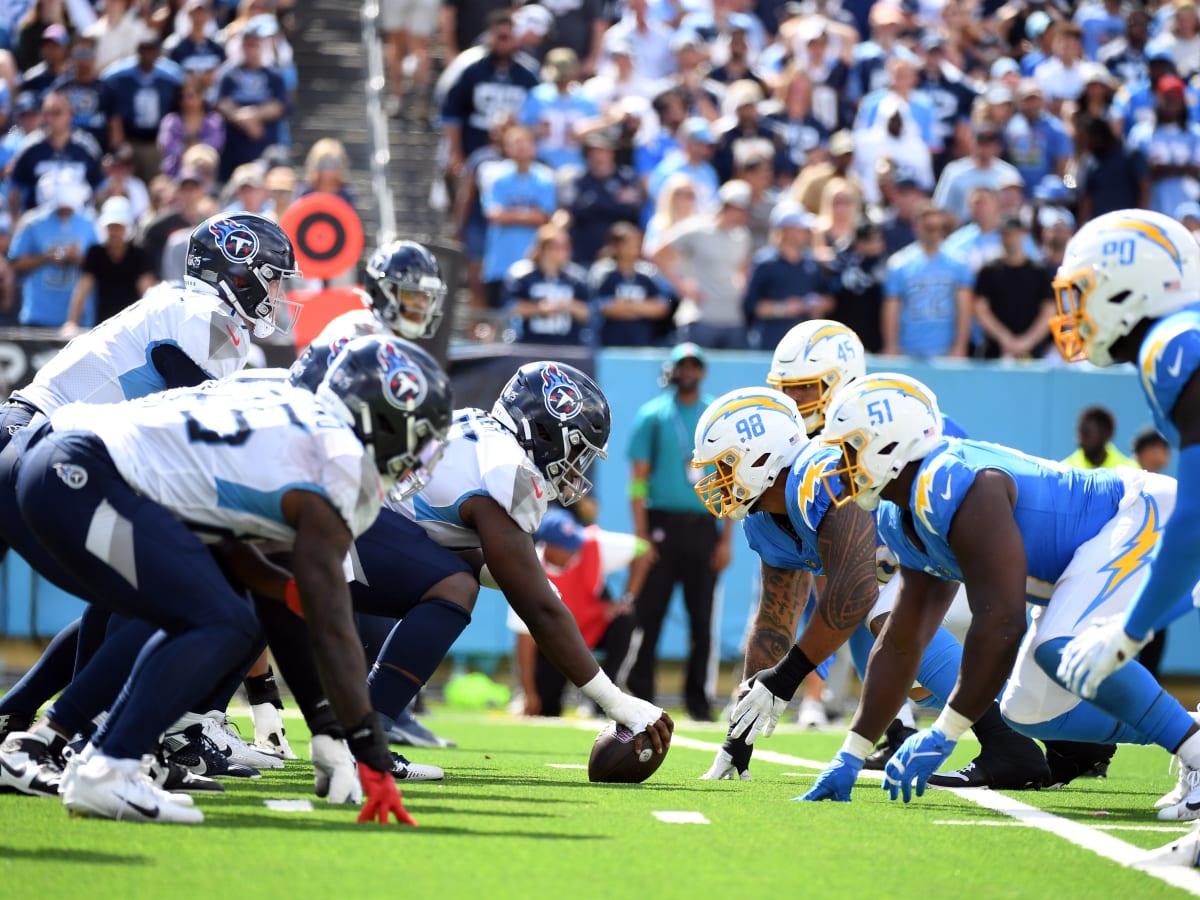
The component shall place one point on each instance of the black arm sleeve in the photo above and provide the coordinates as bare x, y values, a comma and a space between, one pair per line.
176, 367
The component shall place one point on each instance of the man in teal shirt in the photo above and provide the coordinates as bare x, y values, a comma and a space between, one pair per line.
689, 549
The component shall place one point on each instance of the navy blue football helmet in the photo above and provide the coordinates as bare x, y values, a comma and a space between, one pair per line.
561, 419
399, 403
247, 259
405, 289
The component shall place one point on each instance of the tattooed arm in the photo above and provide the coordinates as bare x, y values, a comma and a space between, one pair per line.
846, 545
784, 592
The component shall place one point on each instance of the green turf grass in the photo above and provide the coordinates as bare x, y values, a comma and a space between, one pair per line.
504, 824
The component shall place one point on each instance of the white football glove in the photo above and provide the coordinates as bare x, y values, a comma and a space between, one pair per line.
635, 714
1095, 653
723, 769
757, 712
335, 774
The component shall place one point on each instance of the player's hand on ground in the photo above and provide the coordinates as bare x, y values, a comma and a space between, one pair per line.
334, 775
1096, 653
757, 712
732, 761
919, 756
383, 798
837, 779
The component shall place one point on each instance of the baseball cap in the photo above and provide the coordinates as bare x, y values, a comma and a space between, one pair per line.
1005, 65
263, 26
841, 142
1036, 24
789, 215
687, 350
998, 93
1029, 87
115, 211
735, 193
532, 19
280, 178
1158, 52
559, 529
695, 128
1169, 84
191, 173
1052, 216
561, 63
26, 102
932, 40
686, 40
1052, 189
1010, 179
56, 33
1188, 209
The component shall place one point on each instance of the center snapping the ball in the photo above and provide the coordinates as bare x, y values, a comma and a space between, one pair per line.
614, 759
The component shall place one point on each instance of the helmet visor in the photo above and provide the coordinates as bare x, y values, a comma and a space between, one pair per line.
1072, 328
812, 394
848, 480
410, 472
568, 477
720, 491
275, 308
413, 309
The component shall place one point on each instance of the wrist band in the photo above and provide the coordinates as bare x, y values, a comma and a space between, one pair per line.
952, 724
638, 490
857, 746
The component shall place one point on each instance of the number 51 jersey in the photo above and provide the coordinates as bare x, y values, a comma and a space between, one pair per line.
222, 456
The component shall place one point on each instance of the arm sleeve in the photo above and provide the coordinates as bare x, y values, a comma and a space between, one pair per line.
176, 367
1176, 568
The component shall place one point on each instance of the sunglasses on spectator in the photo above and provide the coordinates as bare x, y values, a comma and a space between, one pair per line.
56, 112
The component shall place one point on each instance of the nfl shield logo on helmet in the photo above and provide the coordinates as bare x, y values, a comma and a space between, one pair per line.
563, 398
403, 381
237, 242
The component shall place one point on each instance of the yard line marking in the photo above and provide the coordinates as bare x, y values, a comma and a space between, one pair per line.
680, 817
1084, 836
289, 805
565, 766
1166, 829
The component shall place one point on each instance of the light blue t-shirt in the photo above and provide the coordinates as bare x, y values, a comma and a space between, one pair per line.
1168, 145
962, 176
46, 291
505, 244
920, 107
703, 175
926, 287
559, 112
1035, 147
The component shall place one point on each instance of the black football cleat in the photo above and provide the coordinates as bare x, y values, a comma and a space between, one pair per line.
896, 734
993, 768
1076, 759
195, 751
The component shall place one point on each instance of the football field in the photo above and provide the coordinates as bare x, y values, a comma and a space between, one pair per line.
516, 817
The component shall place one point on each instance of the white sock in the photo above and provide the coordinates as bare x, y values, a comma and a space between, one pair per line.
187, 719
905, 716
1189, 751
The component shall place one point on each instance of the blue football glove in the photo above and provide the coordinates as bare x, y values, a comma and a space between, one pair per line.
919, 756
837, 779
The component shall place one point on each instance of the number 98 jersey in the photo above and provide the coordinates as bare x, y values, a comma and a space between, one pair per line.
222, 456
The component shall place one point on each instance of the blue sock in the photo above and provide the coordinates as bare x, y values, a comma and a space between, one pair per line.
49, 675
97, 685
412, 653
861, 642
1132, 695
939, 668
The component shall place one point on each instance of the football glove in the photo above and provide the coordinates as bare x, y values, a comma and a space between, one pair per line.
758, 712
382, 798
1094, 654
732, 762
837, 779
919, 756
635, 714
333, 770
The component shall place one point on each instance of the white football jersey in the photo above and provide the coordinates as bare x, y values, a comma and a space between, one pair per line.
222, 456
112, 362
481, 457
350, 325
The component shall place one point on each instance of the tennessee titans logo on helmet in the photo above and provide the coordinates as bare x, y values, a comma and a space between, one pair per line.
237, 242
335, 348
563, 398
403, 381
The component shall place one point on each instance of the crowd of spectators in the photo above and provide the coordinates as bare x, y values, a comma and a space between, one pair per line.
913, 168
127, 122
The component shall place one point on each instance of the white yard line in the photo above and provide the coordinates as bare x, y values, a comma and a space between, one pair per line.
1085, 836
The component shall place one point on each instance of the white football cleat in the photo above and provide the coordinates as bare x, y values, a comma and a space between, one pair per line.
110, 788
812, 714
403, 770
1188, 779
1183, 803
1184, 851
220, 730
723, 769
269, 736
27, 766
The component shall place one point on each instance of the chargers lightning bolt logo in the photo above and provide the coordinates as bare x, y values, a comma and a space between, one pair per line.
236, 241
814, 473
403, 382
1134, 554
563, 398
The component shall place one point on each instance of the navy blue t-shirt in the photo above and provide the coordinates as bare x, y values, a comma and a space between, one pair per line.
527, 282
609, 283
93, 104
596, 204
144, 98
481, 94
774, 278
249, 87
1112, 181
35, 157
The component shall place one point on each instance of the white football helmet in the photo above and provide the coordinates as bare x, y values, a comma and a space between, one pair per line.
749, 435
820, 353
1119, 269
881, 423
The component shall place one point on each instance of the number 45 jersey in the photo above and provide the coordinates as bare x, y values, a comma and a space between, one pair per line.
222, 456
481, 458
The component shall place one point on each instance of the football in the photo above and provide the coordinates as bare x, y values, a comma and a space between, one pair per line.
615, 761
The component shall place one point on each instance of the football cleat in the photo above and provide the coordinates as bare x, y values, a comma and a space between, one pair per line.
269, 735
196, 752
220, 729
1182, 852
724, 769
110, 788
27, 766
1187, 807
812, 714
1188, 779
403, 770
896, 734
1069, 760
175, 779
406, 730
1000, 773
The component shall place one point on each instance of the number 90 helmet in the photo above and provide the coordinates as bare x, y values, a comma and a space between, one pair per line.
397, 400
247, 260
405, 289
820, 354
749, 435
881, 423
1119, 269
561, 419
